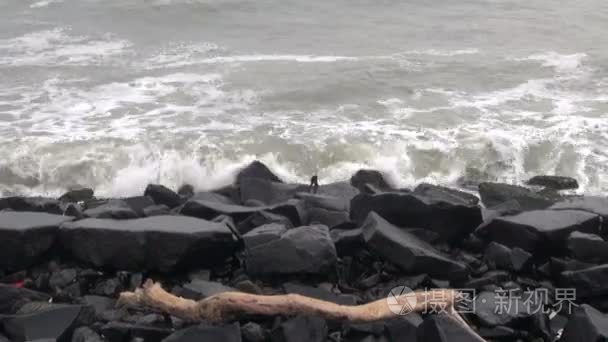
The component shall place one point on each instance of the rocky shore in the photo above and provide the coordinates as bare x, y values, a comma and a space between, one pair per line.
64, 261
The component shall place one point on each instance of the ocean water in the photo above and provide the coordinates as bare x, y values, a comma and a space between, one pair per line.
114, 94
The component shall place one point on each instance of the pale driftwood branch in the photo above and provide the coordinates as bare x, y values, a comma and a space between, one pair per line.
229, 306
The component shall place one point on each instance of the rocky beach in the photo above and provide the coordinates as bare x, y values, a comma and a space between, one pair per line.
64, 261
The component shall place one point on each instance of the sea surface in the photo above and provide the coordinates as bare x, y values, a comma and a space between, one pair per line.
114, 94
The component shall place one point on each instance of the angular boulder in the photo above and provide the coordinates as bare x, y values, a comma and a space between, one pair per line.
493, 194
302, 250
453, 218
593, 204
325, 209
371, 177
26, 236
262, 218
503, 257
207, 332
407, 251
539, 231
586, 324
112, 209
588, 282
51, 321
264, 234
199, 289
256, 169
119, 331
38, 204
301, 329
77, 195
268, 192
588, 247
13, 298
163, 195
431, 190
554, 182
159, 243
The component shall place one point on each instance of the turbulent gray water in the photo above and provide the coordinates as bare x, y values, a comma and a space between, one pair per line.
114, 94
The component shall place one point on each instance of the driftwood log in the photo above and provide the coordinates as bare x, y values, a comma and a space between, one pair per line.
229, 306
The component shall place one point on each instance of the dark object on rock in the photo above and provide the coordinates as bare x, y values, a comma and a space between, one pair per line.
443, 328
38, 204
13, 298
160, 243
407, 251
156, 210
539, 231
493, 194
589, 282
314, 184
371, 177
503, 257
431, 190
113, 209
586, 324
588, 247
163, 195
118, 331
52, 321
257, 169
85, 334
205, 332
453, 218
77, 195
306, 249
199, 289
26, 236
554, 182
301, 329
253, 332
186, 191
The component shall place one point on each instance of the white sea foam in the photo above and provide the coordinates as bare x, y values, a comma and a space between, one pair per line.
44, 3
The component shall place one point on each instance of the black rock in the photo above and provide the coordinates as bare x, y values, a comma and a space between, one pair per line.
495, 308
26, 236
268, 192
50, 321
403, 328
431, 190
205, 332
508, 208
77, 195
588, 282
559, 265
539, 231
100, 305
112, 209
307, 249
257, 169
588, 247
453, 218
498, 333
325, 209
503, 257
301, 329
13, 298
347, 241
156, 210
199, 289
161, 243
592, 204
186, 190
74, 210
138, 203
253, 332
62, 278
261, 218
318, 293
443, 328
163, 195
85, 334
554, 182
407, 251
264, 234
493, 194
37, 204
108, 287
489, 278
120, 332
371, 177
586, 324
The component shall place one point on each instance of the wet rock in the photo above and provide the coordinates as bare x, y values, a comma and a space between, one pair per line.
503, 257
261, 218
112, 209
205, 332
199, 289
431, 190
318, 293
586, 324
554, 182
508, 208
347, 241
407, 251
588, 282
186, 191
452, 218
443, 328
77, 195
138, 203
539, 231
62, 278
264, 234
588, 247
496, 308
26, 236
371, 177
253, 332
307, 249
163, 195
301, 329
493, 194
597, 205
268, 192
257, 169
37, 204
85, 334
325, 209
118, 332
13, 298
51, 321
161, 243
156, 210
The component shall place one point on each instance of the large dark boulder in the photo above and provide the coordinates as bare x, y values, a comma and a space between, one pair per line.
112, 209
586, 324
268, 192
160, 243
495, 308
302, 250
539, 231
264, 234
325, 209
593, 204
588, 282
498, 256
437, 191
262, 218
26, 236
13, 298
256, 169
554, 182
451, 217
38, 204
493, 194
77, 195
407, 251
443, 328
206, 332
371, 177
588, 247
163, 195
208, 210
